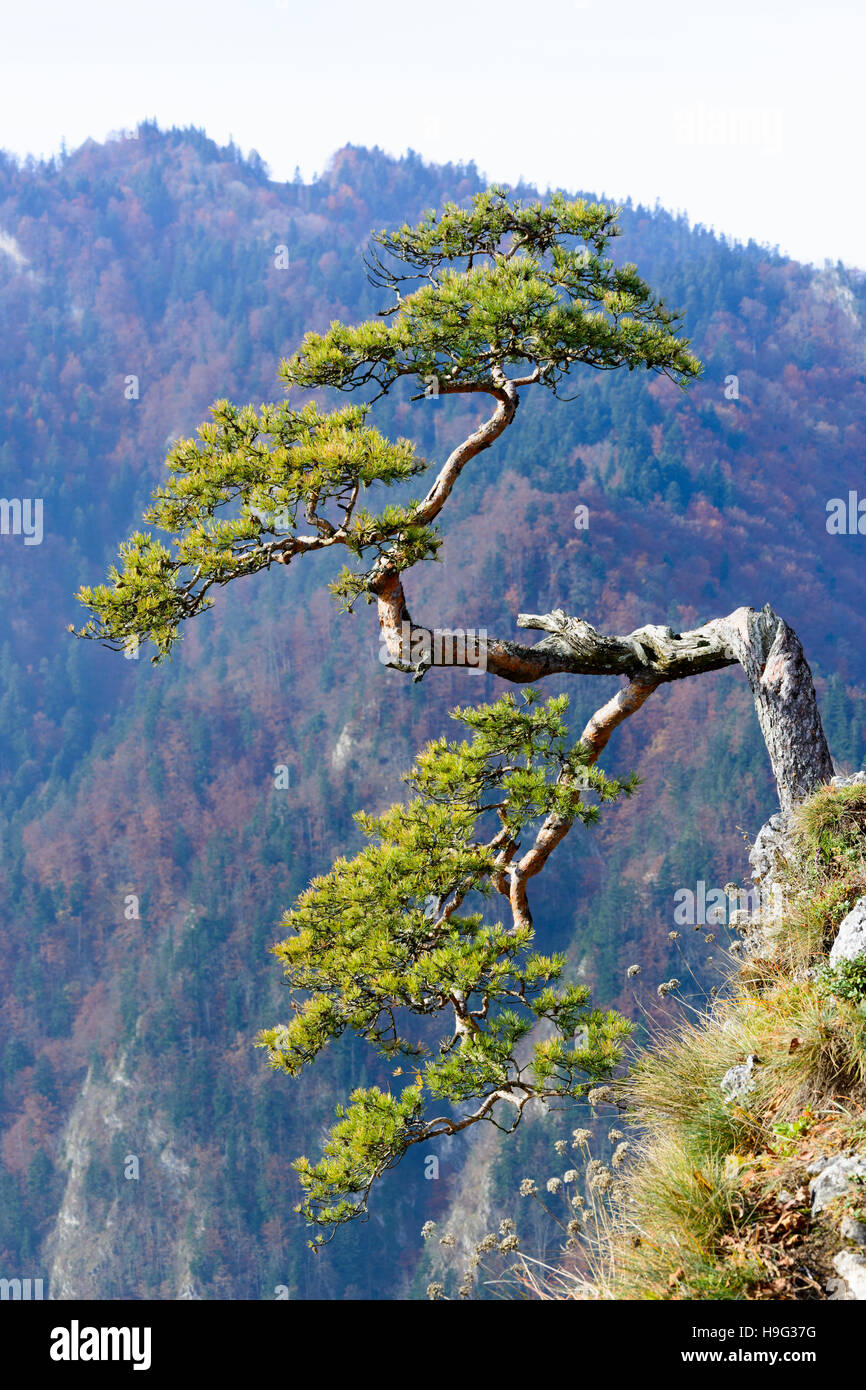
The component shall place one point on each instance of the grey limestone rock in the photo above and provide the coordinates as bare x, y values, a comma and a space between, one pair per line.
850, 940
852, 1229
738, 1081
834, 1179
851, 1265
767, 854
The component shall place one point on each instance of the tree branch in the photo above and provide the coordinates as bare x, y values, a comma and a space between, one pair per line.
507, 401
768, 650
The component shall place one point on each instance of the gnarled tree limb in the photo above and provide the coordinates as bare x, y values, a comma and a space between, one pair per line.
768, 650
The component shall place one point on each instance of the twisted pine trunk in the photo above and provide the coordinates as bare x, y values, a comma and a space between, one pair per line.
769, 652
772, 657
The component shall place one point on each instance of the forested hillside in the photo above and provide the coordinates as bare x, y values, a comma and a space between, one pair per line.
148, 843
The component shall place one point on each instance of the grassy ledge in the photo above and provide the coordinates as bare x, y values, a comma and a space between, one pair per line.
716, 1202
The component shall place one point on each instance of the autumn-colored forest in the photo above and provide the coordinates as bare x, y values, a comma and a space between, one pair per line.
146, 850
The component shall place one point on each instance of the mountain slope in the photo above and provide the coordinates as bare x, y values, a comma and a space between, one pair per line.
155, 259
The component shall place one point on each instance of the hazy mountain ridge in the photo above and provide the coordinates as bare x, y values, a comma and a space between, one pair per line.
155, 258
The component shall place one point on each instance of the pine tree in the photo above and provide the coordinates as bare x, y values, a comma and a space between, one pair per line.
486, 300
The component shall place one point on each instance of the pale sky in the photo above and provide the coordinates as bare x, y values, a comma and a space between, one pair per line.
748, 115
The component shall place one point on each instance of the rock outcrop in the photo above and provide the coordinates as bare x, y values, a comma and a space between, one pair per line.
769, 857
833, 1178
850, 940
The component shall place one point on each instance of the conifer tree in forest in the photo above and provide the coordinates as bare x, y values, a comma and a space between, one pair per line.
490, 300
